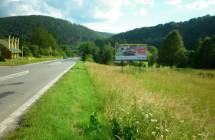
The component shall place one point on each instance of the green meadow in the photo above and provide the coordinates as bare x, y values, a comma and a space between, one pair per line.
94, 101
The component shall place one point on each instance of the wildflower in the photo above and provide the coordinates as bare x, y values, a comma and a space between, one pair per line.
201, 135
167, 130
157, 128
153, 133
153, 120
146, 116
137, 122
150, 114
194, 137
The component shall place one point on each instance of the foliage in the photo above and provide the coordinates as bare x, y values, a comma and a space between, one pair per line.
98, 51
86, 49
69, 50
34, 50
205, 53
42, 38
172, 51
104, 55
64, 31
26, 51
152, 54
191, 31
94, 127
46, 32
2, 58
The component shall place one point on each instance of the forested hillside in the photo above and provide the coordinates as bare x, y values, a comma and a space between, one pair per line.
64, 31
191, 31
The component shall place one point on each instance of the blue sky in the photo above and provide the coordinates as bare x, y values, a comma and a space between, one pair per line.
111, 15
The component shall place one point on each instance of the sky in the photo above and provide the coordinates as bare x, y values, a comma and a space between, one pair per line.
112, 16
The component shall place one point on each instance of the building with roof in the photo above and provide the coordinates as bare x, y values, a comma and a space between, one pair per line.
9, 49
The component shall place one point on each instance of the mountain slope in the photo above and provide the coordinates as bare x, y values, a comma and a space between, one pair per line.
191, 31
64, 31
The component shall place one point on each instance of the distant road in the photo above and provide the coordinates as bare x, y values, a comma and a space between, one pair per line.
18, 84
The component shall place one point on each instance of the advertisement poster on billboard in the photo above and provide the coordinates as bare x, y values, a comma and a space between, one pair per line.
131, 52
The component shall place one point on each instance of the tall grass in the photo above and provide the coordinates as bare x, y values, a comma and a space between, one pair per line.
181, 102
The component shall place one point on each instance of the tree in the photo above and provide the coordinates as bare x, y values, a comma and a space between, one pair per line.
152, 55
172, 51
35, 50
104, 54
87, 49
99, 42
205, 54
27, 51
43, 39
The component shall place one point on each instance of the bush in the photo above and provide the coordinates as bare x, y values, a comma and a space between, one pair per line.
104, 55
152, 55
2, 58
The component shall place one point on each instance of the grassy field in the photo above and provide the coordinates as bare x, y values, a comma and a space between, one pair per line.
95, 101
63, 112
182, 101
20, 61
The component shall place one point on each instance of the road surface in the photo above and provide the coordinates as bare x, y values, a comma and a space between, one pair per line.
18, 84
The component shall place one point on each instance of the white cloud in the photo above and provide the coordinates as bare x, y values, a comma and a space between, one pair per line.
141, 12
78, 11
145, 2
173, 2
108, 10
33, 7
200, 4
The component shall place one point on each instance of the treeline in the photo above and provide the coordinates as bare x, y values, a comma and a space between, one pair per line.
43, 43
101, 51
191, 31
43, 35
171, 52
64, 31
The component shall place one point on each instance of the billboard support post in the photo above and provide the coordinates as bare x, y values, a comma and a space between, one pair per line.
122, 64
140, 65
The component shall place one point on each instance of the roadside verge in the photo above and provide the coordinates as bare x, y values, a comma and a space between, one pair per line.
10, 122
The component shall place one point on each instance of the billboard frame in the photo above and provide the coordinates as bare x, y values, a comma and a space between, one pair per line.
130, 45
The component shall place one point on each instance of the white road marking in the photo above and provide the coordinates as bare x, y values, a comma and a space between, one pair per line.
15, 75
55, 63
10, 122
36, 63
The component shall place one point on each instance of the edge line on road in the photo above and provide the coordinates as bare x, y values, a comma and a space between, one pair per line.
14, 75
10, 122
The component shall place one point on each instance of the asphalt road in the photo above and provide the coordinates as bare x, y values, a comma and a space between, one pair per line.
18, 84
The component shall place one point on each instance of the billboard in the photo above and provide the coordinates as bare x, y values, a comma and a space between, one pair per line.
131, 52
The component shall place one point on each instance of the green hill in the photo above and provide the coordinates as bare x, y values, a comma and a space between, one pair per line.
191, 31
64, 31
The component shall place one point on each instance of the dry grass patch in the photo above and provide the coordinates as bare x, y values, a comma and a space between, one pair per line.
175, 95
